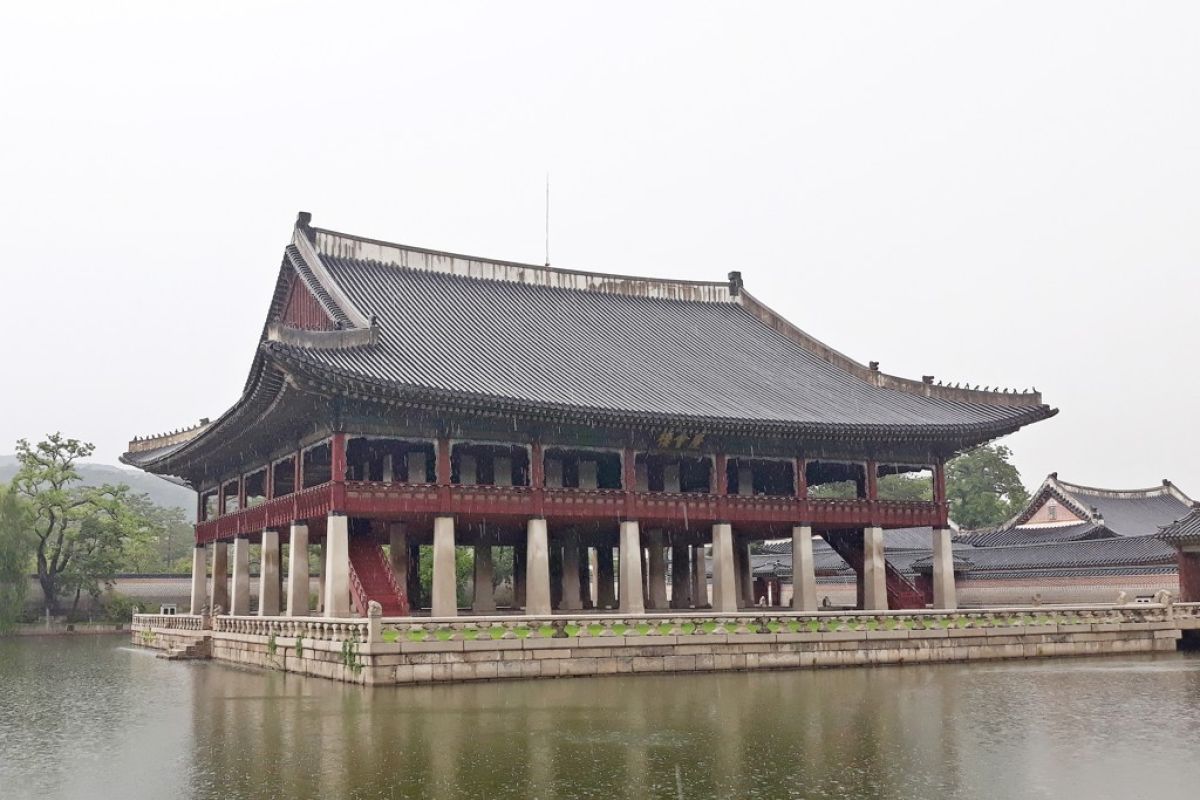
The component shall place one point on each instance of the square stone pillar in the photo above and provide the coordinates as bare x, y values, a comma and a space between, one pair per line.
484, 600
874, 571
220, 578
268, 575
445, 594
804, 575
570, 576
724, 579
297, 574
699, 578
658, 571
593, 590
631, 569
537, 568
747, 574
398, 554
606, 593
944, 594
415, 600
321, 551
240, 602
519, 564
199, 579
681, 590
337, 566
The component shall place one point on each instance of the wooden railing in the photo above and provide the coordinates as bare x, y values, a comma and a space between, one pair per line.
379, 499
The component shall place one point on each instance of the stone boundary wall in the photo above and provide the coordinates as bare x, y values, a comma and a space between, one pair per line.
357, 651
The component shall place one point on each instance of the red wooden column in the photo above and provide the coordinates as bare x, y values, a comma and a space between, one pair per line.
221, 498
537, 477
337, 471
297, 483
441, 471
799, 465
939, 493
720, 484
269, 482
873, 491
629, 479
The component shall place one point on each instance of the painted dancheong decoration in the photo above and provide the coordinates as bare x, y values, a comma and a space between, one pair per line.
602, 426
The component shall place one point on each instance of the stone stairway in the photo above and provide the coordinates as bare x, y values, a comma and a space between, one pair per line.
901, 592
373, 579
195, 651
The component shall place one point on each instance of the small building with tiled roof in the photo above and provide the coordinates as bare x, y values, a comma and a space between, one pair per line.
1183, 536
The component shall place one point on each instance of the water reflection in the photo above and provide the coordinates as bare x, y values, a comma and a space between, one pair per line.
88, 718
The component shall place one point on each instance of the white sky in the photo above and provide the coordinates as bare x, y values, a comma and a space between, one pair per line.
999, 193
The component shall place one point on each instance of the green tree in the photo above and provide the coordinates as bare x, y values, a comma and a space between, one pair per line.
16, 556
159, 539
983, 487
78, 531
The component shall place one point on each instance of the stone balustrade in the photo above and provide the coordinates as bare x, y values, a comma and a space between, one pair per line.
683, 624
588, 626
174, 622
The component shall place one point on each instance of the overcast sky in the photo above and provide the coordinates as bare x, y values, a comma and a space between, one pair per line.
999, 193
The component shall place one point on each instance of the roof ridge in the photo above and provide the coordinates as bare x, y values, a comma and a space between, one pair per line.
361, 248
1165, 488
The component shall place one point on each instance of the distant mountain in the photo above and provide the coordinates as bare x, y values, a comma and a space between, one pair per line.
162, 492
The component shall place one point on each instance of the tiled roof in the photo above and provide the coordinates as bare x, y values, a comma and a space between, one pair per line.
1134, 515
1119, 551
1019, 536
1185, 530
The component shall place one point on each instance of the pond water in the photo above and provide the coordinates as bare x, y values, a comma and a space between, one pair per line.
91, 717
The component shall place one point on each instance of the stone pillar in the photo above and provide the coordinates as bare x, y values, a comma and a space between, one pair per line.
724, 578
268, 575
537, 568
606, 595
199, 579
874, 571
415, 600
485, 600
220, 577
240, 602
681, 591
570, 576
337, 566
445, 595
747, 574
944, 595
594, 576
658, 571
297, 577
631, 569
398, 556
699, 578
519, 561
321, 576
804, 576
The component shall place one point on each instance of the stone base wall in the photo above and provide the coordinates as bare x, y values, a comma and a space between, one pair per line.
433, 661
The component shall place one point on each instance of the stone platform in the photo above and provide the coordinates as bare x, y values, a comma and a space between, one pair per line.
378, 651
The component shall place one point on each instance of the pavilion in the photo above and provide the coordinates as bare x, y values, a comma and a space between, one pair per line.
404, 397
